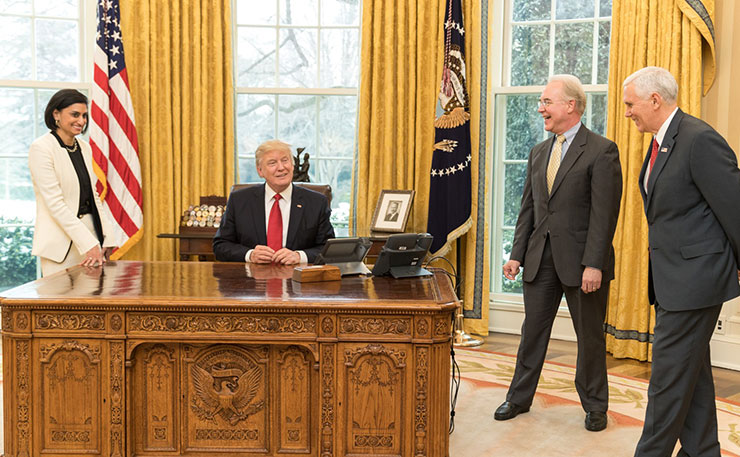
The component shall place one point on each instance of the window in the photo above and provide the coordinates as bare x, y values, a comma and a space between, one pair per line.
542, 38
42, 51
297, 73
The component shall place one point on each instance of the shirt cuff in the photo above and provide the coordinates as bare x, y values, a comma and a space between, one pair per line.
249, 254
303, 256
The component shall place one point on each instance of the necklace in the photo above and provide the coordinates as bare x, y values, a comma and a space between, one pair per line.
71, 149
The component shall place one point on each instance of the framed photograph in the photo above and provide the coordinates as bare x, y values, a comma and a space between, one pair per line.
392, 211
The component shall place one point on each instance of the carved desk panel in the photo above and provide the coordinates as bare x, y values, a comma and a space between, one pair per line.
223, 359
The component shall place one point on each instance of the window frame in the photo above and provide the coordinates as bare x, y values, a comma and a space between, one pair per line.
86, 20
316, 156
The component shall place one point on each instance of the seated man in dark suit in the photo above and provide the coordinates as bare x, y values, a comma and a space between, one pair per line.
276, 222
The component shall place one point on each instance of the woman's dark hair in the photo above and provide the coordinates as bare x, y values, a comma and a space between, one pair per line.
59, 101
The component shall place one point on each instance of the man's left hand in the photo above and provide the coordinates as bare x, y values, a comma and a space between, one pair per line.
286, 257
591, 281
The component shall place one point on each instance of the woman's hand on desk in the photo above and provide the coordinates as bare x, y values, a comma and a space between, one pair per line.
93, 257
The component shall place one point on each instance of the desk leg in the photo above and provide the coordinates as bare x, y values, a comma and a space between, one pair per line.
116, 398
328, 399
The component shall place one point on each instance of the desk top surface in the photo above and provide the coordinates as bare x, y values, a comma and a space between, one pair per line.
224, 285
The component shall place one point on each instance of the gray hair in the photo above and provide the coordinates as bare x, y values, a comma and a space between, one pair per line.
572, 90
271, 145
653, 79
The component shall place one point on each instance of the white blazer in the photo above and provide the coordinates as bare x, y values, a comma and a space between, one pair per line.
57, 192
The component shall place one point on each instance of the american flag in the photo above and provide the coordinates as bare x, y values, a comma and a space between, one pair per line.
113, 132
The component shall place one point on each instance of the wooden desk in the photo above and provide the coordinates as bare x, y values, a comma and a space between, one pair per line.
224, 359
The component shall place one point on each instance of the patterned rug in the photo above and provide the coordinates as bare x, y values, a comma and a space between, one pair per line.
554, 425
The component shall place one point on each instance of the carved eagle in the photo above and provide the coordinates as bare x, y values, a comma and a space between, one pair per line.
227, 397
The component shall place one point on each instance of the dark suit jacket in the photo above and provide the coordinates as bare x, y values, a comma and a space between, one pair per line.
580, 214
243, 224
693, 214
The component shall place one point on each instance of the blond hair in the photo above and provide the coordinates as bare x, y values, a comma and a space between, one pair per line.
271, 145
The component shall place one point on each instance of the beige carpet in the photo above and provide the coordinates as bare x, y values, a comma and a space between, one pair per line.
554, 425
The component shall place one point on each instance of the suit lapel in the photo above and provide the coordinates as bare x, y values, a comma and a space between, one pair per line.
664, 151
574, 152
539, 168
641, 179
258, 215
296, 213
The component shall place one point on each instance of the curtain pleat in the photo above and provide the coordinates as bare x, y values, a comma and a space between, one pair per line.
179, 60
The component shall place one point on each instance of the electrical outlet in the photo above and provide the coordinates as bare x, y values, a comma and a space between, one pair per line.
720, 328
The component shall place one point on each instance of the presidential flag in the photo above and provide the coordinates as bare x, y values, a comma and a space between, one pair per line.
113, 132
450, 183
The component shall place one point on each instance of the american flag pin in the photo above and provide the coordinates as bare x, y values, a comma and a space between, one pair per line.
663, 149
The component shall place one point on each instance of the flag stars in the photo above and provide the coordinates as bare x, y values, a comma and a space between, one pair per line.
112, 64
115, 50
116, 35
451, 170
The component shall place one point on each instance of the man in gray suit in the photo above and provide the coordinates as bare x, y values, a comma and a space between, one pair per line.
563, 239
690, 187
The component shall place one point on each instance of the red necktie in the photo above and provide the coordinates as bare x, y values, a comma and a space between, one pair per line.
653, 155
275, 226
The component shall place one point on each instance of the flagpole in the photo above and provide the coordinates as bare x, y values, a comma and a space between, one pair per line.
459, 337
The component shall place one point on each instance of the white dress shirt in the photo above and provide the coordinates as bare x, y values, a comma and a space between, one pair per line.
658, 137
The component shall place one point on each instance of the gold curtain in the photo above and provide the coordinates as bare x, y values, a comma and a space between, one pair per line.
401, 70
644, 32
179, 61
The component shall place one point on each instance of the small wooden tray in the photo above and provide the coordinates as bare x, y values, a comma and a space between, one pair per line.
316, 273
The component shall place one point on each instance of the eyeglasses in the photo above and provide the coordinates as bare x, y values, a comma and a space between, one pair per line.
547, 102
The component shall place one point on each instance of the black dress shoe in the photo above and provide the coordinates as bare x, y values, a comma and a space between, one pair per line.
508, 410
595, 421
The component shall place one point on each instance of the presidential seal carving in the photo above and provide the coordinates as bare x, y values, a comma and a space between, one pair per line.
226, 384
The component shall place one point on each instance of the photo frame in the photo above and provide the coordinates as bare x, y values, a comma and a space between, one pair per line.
392, 211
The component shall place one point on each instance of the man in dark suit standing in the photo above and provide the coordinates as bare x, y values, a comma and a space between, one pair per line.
690, 187
563, 239
276, 222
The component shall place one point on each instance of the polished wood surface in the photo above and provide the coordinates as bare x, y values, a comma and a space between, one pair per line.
217, 359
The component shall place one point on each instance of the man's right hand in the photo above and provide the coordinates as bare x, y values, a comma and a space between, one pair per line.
511, 269
261, 254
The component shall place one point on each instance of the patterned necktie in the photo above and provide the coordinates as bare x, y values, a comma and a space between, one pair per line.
275, 226
554, 163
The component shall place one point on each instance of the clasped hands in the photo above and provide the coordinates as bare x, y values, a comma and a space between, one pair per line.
590, 281
96, 256
265, 254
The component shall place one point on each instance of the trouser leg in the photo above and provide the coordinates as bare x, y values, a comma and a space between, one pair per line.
587, 312
680, 386
541, 301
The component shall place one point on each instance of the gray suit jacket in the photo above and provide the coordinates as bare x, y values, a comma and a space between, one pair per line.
581, 213
693, 213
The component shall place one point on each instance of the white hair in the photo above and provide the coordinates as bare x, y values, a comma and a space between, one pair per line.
572, 90
650, 80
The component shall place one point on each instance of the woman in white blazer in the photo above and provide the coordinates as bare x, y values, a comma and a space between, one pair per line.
70, 225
